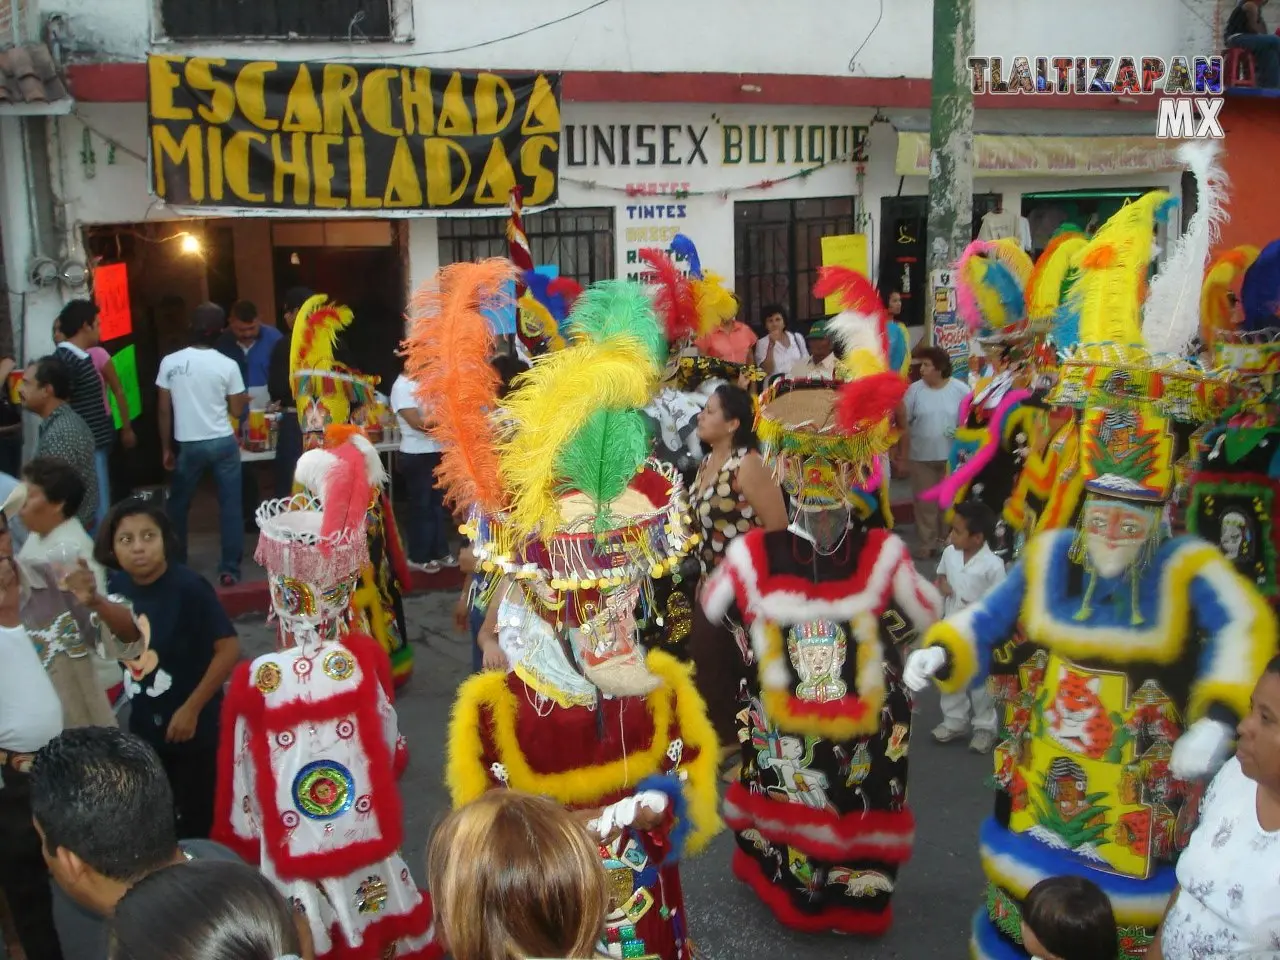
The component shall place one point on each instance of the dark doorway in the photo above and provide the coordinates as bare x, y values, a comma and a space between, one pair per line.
370, 280
778, 252
904, 223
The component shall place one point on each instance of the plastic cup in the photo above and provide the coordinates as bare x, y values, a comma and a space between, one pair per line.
64, 560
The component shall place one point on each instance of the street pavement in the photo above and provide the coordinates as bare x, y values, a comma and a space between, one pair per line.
937, 892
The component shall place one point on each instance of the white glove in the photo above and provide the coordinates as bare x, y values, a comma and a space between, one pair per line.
922, 665
1201, 750
623, 813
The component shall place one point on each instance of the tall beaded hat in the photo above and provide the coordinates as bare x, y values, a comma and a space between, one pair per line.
825, 440
327, 392
558, 486
313, 544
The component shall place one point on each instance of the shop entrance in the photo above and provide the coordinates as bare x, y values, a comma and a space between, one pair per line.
173, 266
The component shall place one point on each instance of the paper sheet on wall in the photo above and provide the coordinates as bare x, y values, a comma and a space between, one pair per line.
126, 364
849, 250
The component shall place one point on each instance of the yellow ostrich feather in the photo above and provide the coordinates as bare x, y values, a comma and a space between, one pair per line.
552, 402
1113, 272
315, 334
1222, 278
716, 302
1044, 294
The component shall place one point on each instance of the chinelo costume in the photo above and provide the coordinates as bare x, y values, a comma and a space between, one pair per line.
1234, 491
1129, 657
328, 395
310, 745
820, 809
566, 505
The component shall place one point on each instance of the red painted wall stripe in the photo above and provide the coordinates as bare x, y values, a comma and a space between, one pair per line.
127, 83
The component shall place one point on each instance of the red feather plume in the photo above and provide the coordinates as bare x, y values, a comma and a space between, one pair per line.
857, 294
571, 290
868, 400
675, 300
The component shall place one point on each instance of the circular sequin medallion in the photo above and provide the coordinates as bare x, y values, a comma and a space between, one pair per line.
267, 679
290, 819
364, 804
346, 729
284, 739
338, 665
323, 790
302, 667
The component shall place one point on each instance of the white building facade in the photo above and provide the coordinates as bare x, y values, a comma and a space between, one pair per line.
754, 127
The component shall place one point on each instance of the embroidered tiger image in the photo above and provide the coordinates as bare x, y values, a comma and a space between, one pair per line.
1077, 718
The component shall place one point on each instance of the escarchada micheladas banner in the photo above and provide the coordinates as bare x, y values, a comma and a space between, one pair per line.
349, 136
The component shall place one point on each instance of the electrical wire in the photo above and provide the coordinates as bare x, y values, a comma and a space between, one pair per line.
853, 61
111, 141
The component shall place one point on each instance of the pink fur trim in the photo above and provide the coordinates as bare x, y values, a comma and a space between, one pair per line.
947, 492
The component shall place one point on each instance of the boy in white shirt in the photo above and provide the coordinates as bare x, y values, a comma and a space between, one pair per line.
201, 396
967, 570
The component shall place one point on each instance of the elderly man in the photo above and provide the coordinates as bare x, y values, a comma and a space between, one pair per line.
821, 364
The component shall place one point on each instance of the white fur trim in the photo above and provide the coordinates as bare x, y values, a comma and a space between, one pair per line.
718, 595
908, 587
773, 670
1021, 877
372, 462
786, 607
825, 835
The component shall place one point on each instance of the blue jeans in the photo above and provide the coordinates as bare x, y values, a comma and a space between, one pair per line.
102, 466
477, 621
222, 458
288, 450
1265, 48
428, 522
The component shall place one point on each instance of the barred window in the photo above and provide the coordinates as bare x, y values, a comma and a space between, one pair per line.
579, 241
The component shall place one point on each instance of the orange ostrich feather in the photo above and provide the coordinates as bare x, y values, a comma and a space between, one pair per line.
447, 354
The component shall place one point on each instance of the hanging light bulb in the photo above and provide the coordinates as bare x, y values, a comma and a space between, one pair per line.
190, 243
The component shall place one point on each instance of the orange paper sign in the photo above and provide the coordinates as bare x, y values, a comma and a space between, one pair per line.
111, 293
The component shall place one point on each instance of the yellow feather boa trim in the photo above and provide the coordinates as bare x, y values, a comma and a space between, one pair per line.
467, 775
964, 657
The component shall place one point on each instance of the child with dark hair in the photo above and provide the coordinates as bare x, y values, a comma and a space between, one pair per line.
967, 570
176, 685
209, 910
1068, 918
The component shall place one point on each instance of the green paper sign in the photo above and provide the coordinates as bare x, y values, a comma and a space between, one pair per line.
126, 364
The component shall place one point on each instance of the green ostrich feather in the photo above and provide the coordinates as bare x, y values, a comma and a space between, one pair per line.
619, 308
603, 456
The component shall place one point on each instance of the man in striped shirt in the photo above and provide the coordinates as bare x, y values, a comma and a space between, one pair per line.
78, 322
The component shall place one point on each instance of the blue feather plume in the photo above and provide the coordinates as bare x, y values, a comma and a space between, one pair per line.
1001, 279
682, 246
556, 304
1260, 290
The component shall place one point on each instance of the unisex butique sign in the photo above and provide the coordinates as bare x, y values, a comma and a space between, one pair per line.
356, 137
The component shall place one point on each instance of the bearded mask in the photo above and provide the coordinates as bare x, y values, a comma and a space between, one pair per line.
1115, 534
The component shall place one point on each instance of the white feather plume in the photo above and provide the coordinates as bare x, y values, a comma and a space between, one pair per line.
374, 470
311, 470
855, 330
1171, 316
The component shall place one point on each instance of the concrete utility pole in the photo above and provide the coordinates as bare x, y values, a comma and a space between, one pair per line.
950, 140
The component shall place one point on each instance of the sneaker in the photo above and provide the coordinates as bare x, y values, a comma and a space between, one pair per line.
944, 734
448, 560
984, 741
431, 566
228, 579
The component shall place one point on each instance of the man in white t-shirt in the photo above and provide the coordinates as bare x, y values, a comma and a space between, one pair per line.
201, 396
428, 521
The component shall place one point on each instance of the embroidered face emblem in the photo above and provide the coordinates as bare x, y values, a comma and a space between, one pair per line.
817, 651
1234, 540
1115, 534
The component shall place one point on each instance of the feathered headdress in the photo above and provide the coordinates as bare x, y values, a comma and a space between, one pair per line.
716, 302
344, 477
447, 354
325, 390
1113, 272
1049, 289
991, 280
1171, 317
674, 297
315, 334
1221, 282
575, 418
1260, 291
